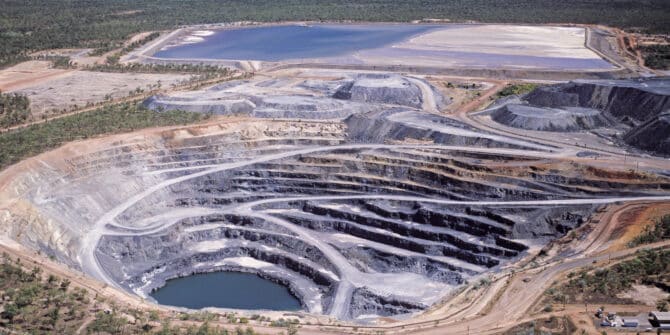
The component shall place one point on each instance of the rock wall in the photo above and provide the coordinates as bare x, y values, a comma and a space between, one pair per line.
634, 105
567, 119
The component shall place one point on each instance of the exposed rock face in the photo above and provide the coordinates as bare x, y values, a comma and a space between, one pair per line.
274, 106
653, 135
639, 100
219, 107
549, 119
354, 230
327, 99
367, 304
362, 208
552, 96
404, 124
381, 88
635, 105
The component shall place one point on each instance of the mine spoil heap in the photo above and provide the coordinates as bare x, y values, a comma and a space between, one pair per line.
638, 109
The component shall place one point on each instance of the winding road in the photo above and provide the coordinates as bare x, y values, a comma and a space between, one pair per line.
503, 310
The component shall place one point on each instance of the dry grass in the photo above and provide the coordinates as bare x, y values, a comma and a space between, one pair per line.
66, 91
634, 223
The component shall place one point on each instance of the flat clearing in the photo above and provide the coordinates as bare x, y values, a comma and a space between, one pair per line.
647, 295
65, 90
27, 74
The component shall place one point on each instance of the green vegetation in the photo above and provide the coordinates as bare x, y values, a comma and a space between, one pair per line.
30, 25
111, 45
29, 141
108, 322
62, 62
657, 56
141, 41
548, 326
662, 305
14, 109
657, 232
281, 322
38, 304
199, 69
517, 89
648, 267
113, 59
34, 302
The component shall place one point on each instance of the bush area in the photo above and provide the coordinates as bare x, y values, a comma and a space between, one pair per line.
14, 109
34, 302
39, 304
657, 232
656, 56
648, 267
209, 70
517, 89
549, 326
30, 25
29, 141
126, 49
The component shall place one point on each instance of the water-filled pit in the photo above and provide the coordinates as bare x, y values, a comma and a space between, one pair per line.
226, 290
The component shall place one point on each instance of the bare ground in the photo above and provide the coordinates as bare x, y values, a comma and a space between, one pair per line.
28, 74
65, 91
647, 295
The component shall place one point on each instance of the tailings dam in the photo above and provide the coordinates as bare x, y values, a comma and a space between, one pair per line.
472, 46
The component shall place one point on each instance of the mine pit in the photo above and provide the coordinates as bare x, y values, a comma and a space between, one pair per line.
351, 223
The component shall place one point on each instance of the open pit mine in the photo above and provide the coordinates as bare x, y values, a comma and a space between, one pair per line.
367, 193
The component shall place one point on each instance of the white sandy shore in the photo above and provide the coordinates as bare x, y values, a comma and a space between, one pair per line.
196, 36
541, 41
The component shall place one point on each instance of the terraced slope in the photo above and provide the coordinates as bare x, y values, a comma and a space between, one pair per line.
636, 109
379, 213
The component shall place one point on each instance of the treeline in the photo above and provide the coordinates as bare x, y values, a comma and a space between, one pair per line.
643, 269
14, 109
39, 304
517, 89
30, 25
35, 302
112, 66
656, 56
130, 47
648, 267
111, 45
22, 143
657, 232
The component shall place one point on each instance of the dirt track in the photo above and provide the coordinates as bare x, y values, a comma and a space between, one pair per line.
501, 305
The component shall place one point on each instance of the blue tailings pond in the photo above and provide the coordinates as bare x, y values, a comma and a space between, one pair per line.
226, 290
277, 43
390, 44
